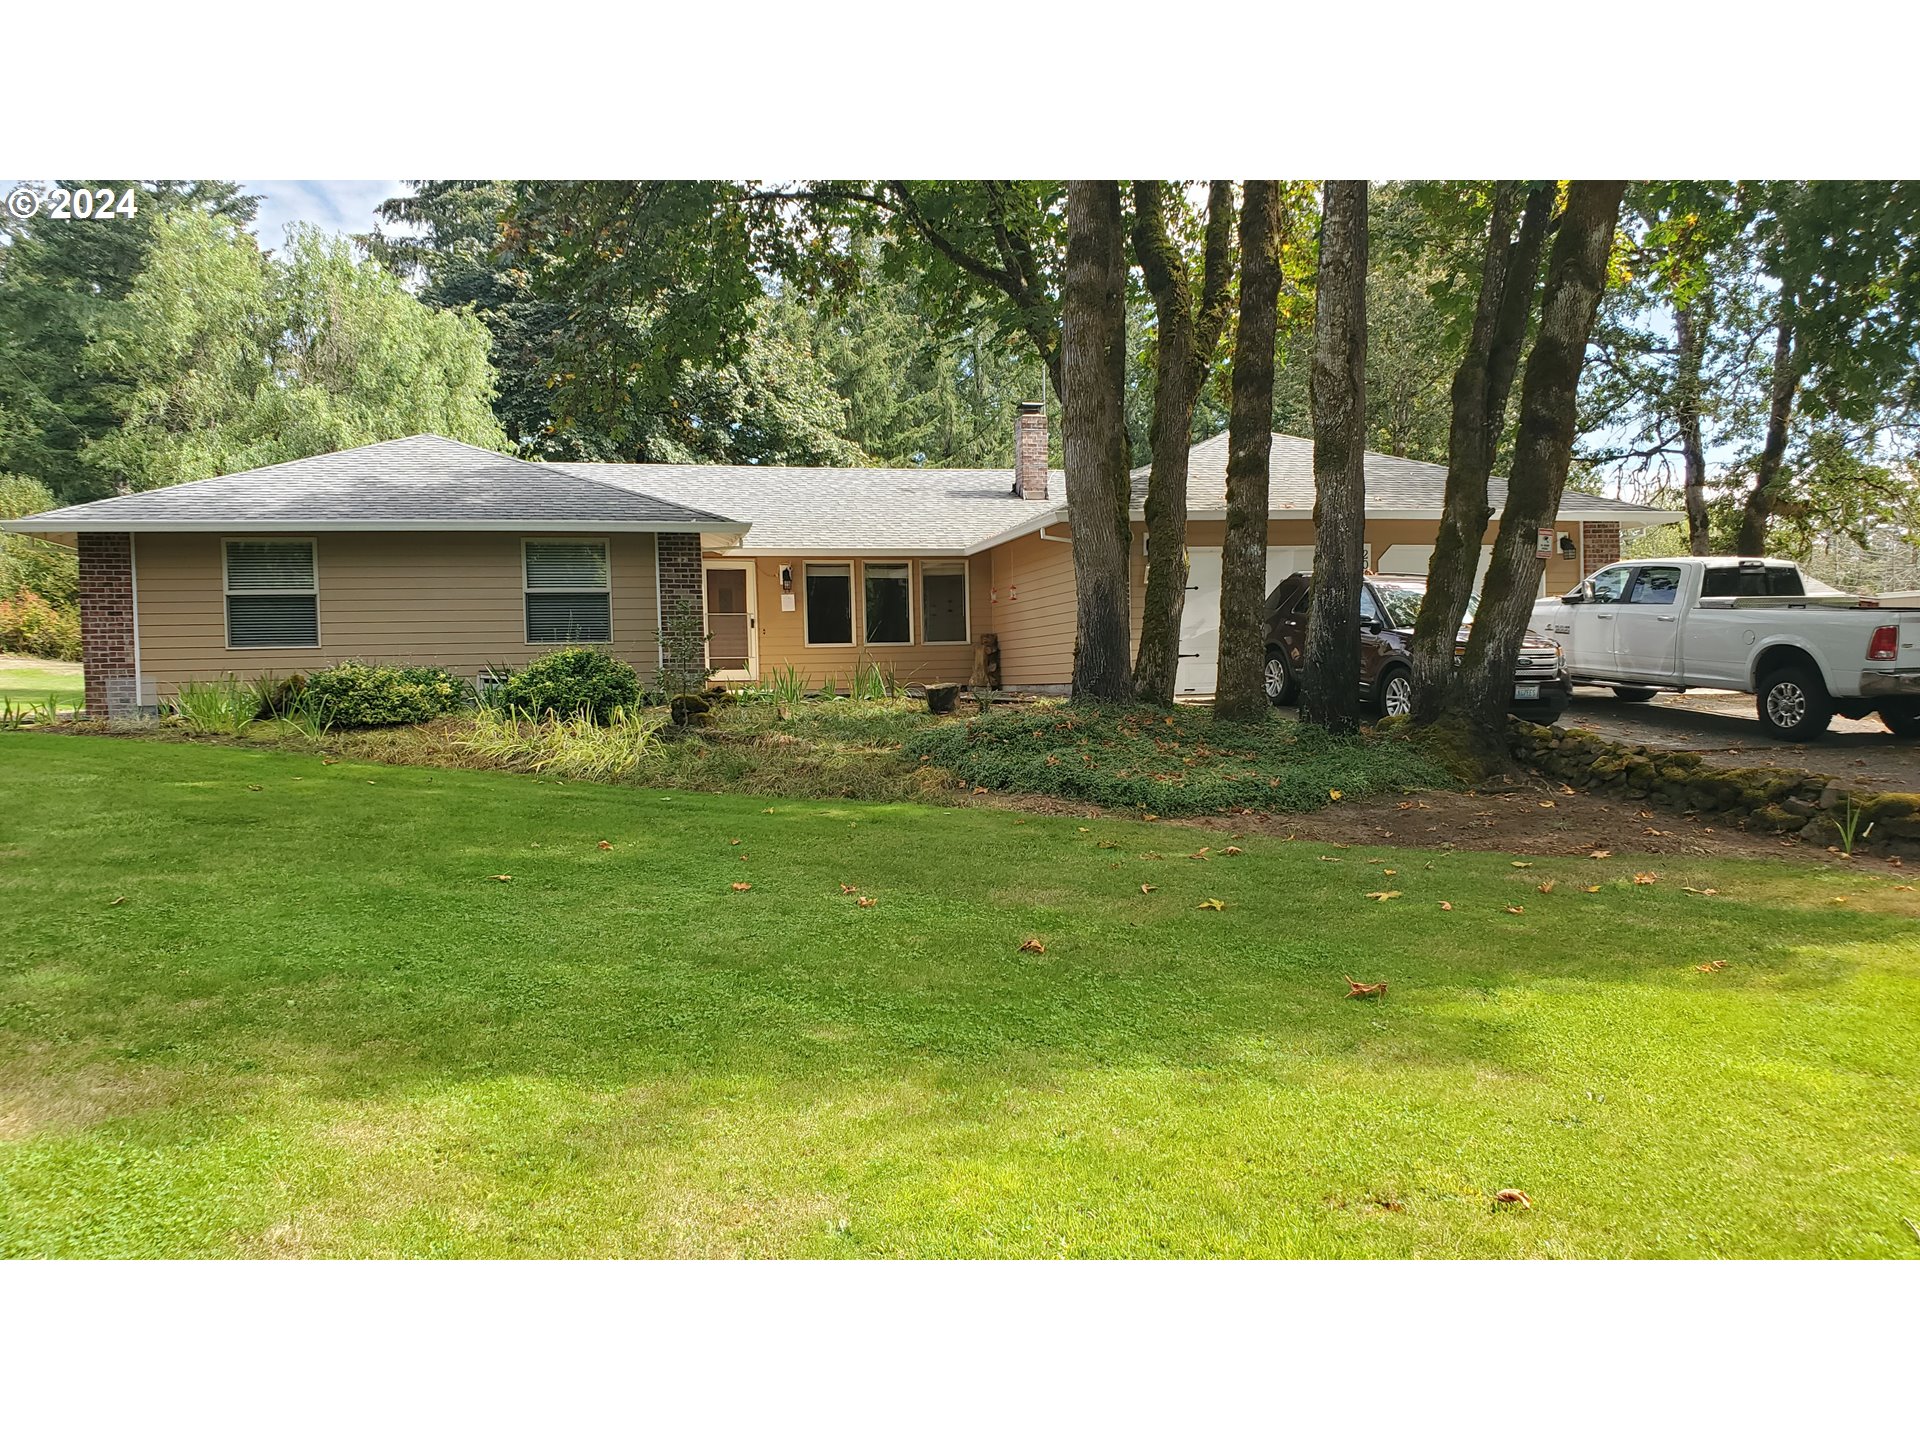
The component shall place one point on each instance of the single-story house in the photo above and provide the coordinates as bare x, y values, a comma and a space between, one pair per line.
425, 550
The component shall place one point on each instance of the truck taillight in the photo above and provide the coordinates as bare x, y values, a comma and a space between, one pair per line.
1885, 643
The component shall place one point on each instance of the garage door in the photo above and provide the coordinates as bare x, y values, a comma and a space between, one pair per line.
1199, 666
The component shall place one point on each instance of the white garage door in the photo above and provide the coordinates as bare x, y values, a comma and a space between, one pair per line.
1199, 666
1414, 560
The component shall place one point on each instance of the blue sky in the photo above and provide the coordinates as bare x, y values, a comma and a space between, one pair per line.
345, 206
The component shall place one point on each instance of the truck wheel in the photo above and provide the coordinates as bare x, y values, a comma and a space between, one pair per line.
1793, 703
1634, 693
1282, 688
1904, 723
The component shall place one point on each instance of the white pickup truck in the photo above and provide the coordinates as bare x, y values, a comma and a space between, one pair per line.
1728, 624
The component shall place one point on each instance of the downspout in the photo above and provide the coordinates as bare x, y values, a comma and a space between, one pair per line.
133, 584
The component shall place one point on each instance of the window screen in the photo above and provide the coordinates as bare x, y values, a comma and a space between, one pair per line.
568, 599
943, 601
829, 604
889, 603
272, 595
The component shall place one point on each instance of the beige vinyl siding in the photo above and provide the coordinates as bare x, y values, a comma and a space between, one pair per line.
453, 599
1033, 609
783, 636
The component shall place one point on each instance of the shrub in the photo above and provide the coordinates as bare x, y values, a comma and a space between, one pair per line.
683, 650
33, 625
576, 748
568, 683
1170, 762
26, 561
216, 707
356, 695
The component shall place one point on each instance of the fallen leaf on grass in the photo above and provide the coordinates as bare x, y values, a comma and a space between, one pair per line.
1333, 794
1546, 805
325, 761
501, 878
1233, 850
1330, 859
742, 885
866, 902
1211, 904
1446, 905
1146, 889
1359, 990
1839, 899
1389, 872
846, 889
733, 842
1645, 878
1592, 889
1032, 947
1691, 891
253, 787
606, 845
769, 810
1516, 909
1383, 895
1521, 864
1598, 854
1711, 966
1545, 887
117, 900
1201, 853
1149, 817
1513, 1197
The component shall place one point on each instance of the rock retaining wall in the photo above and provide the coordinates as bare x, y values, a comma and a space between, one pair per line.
1789, 802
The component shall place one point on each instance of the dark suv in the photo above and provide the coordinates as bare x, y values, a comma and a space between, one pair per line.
1389, 604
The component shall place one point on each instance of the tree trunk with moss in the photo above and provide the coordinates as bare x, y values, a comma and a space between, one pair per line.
1330, 688
1184, 347
1481, 387
1482, 689
1758, 509
1689, 330
1093, 434
1239, 690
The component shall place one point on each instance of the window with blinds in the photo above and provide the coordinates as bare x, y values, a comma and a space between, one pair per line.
568, 592
273, 599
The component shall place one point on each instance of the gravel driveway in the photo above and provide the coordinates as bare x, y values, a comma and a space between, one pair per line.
1721, 725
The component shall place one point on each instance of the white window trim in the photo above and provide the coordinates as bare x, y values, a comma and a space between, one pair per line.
913, 623
226, 592
854, 626
527, 589
966, 602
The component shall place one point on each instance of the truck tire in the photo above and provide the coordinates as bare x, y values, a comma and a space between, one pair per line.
1634, 693
1903, 722
1282, 686
1793, 703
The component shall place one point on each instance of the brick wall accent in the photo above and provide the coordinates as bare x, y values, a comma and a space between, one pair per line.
680, 575
106, 625
1599, 544
1030, 451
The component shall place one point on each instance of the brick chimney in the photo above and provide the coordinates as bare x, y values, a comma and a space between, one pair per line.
1030, 451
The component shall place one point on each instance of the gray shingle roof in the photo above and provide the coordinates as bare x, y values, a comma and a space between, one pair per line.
424, 482
842, 510
1394, 485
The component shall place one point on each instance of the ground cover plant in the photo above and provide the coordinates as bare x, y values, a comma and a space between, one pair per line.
355, 694
401, 1011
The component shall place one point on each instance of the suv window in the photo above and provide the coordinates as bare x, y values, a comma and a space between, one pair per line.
1369, 607
1655, 585
1608, 585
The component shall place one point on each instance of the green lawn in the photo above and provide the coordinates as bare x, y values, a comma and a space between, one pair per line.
25, 680
254, 1005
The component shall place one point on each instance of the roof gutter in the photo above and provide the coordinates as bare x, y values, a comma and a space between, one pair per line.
49, 524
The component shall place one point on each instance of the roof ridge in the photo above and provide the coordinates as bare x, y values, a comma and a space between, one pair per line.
565, 465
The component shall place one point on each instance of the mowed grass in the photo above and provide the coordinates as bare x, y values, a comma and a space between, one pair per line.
254, 1005
25, 680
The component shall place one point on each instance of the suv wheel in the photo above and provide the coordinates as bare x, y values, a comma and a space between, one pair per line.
1396, 692
1793, 702
1280, 683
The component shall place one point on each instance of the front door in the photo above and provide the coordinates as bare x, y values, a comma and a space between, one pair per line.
733, 642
